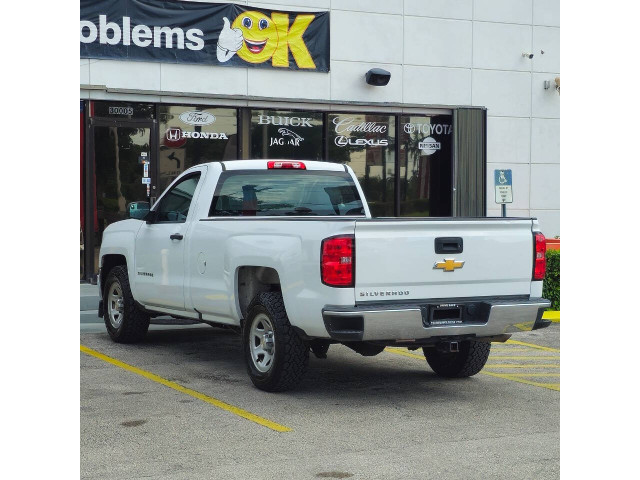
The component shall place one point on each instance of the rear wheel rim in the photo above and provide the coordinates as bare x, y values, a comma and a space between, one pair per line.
262, 343
115, 305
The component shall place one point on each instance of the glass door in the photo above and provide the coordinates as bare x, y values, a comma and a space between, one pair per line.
122, 179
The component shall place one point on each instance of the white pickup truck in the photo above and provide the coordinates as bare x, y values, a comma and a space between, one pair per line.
287, 253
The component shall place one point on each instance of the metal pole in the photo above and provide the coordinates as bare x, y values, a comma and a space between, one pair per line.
504, 210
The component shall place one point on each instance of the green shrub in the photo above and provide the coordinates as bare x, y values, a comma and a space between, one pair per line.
551, 289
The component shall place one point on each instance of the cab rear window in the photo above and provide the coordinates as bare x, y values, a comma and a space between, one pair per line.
285, 193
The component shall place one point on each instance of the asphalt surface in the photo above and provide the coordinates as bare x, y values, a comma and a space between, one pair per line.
383, 417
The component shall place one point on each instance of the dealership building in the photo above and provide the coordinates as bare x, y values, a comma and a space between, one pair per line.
423, 99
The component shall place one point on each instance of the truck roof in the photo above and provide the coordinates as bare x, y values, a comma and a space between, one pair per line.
262, 164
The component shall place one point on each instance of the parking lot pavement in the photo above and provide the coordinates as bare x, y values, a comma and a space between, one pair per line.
180, 406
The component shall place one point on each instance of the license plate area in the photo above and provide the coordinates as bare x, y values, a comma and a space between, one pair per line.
447, 314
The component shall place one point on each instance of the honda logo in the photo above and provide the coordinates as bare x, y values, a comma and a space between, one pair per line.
174, 134
173, 138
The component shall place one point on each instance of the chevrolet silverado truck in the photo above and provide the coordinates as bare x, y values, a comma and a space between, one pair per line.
287, 253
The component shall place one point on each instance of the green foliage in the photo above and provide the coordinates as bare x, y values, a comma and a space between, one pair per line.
551, 289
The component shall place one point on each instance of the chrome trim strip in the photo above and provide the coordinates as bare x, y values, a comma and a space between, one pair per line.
406, 323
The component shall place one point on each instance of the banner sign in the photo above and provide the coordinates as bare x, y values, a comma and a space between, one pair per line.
224, 34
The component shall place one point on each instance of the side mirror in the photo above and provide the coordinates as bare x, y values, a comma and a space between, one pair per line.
151, 217
138, 210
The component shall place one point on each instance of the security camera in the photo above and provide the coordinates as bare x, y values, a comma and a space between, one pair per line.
377, 77
528, 55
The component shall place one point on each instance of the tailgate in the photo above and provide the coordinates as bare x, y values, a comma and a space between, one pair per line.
396, 259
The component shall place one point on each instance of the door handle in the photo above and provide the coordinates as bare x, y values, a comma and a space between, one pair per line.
176, 236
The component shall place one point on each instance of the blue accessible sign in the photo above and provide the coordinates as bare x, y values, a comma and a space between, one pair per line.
503, 183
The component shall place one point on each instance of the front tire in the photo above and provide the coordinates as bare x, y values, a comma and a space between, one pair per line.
125, 322
276, 357
469, 360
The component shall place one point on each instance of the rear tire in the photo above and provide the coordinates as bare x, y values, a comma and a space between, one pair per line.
469, 360
276, 357
125, 322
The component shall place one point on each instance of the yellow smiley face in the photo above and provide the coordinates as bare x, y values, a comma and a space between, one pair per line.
260, 36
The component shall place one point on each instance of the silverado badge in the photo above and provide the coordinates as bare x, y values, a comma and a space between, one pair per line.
448, 264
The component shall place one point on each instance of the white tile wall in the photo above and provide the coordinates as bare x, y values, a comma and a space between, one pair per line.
366, 37
436, 85
501, 45
122, 74
437, 42
504, 93
546, 12
460, 9
508, 140
348, 83
549, 221
546, 39
545, 186
544, 103
291, 4
545, 140
520, 175
84, 71
511, 212
263, 82
379, 6
507, 11
203, 79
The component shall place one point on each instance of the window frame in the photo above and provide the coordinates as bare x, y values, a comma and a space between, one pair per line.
229, 173
178, 181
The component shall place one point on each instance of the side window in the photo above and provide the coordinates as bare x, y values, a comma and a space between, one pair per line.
174, 206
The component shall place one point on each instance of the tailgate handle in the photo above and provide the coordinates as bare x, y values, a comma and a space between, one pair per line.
448, 245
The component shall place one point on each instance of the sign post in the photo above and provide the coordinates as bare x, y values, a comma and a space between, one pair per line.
504, 191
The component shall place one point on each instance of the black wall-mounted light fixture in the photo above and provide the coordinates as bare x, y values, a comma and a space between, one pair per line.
377, 77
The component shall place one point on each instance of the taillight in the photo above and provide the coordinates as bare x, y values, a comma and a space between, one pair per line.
337, 258
293, 165
539, 256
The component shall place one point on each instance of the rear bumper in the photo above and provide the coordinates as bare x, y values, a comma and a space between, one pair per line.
398, 322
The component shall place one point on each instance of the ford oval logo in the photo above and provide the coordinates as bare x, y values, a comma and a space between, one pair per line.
194, 117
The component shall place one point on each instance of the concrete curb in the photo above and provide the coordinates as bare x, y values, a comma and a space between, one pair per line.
553, 315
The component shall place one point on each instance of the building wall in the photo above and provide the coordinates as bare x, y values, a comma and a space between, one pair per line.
439, 52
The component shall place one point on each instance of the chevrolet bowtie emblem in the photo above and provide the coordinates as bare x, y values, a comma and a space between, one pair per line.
449, 264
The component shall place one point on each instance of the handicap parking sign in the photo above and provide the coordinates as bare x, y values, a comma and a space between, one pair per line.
503, 184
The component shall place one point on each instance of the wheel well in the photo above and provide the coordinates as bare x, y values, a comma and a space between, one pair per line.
253, 281
108, 262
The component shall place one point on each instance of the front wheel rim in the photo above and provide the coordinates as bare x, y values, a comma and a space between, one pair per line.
262, 343
115, 305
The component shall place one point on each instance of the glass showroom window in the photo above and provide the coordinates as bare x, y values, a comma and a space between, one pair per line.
426, 169
190, 135
286, 134
366, 142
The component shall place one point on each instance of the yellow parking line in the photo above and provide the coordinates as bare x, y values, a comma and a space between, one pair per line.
397, 351
515, 377
506, 376
523, 357
200, 396
533, 374
527, 365
533, 345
